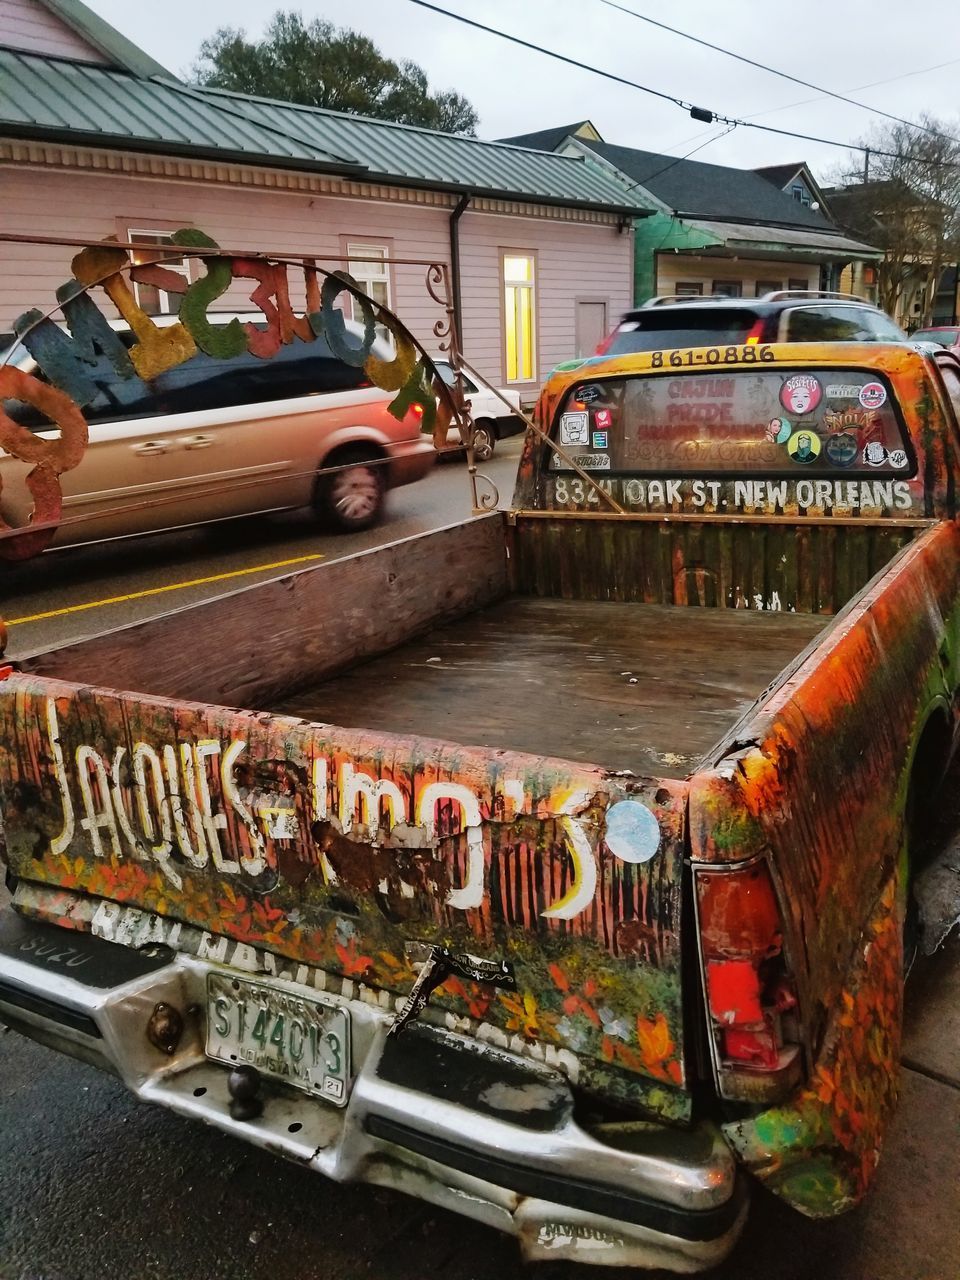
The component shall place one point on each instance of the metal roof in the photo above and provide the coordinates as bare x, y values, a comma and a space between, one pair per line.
820, 242
45, 97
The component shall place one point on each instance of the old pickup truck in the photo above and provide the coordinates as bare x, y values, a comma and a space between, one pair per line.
553, 866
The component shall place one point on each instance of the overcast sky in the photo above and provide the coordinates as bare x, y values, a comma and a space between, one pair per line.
841, 45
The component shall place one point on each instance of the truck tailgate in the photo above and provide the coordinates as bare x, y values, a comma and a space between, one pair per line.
344, 851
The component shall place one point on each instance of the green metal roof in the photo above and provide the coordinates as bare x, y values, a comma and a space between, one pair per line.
45, 97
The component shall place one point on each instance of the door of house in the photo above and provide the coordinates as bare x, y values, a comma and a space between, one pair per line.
591, 324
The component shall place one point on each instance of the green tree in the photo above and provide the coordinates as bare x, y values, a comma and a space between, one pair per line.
322, 65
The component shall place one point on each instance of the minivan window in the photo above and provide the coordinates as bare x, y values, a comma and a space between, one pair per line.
204, 382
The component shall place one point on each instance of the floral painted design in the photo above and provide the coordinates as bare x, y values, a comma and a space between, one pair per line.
819, 1152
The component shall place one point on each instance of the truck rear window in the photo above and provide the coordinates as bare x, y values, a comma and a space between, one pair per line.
772, 421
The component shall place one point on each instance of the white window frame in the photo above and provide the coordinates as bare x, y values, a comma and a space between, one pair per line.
366, 273
181, 268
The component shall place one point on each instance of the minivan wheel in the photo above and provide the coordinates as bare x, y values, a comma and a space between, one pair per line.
350, 497
484, 441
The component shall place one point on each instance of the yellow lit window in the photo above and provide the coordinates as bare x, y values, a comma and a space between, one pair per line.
519, 318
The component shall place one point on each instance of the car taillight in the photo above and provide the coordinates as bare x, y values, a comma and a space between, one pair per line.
755, 334
748, 990
416, 409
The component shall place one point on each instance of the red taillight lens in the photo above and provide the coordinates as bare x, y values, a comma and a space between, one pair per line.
416, 409
755, 334
750, 997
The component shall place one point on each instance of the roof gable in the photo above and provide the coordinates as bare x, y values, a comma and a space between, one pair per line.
115, 48
702, 190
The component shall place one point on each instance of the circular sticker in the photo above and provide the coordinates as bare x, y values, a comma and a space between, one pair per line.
801, 394
778, 430
875, 455
803, 446
841, 449
872, 395
898, 458
589, 394
632, 832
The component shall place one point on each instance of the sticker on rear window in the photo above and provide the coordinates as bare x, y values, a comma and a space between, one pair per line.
575, 428
875, 455
841, 449
803, 446
801, 394
779, 430
873, 395
843, 391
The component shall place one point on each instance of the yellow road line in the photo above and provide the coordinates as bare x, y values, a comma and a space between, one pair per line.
156, 591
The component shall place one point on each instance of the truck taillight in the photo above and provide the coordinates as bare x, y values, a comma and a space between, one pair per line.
748, 990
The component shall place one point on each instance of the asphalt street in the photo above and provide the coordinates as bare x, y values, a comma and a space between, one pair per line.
96, 1186
136, 578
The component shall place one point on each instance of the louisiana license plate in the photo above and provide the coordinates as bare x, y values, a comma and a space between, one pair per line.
302, 1041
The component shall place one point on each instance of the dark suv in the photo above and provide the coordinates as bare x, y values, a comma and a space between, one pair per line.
785, 316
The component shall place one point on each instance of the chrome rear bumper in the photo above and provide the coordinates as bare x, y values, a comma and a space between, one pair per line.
464, 1125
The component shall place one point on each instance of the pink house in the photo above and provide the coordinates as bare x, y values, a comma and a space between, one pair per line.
98, 140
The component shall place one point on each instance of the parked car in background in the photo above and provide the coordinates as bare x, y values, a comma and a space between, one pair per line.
215, 438
784, 316
946, 336
491, 417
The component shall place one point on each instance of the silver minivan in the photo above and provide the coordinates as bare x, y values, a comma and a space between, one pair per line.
217, 438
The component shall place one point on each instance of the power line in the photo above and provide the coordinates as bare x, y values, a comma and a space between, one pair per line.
874, 84
650, 176
698, 113
784, 75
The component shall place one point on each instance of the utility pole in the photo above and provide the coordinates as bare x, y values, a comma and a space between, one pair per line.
866, 164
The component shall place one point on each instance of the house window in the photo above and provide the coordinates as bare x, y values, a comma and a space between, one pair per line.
798, 286
373, 277
728, 288
689, 289
519, 316
800, 192
768, 286
154, 301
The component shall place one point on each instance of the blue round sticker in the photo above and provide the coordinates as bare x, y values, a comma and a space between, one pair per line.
633, 833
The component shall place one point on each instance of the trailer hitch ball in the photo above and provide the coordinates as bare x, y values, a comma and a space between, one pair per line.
165, 1028
243, 1085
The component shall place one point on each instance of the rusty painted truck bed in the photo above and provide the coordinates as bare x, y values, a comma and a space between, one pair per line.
649, 688
655, 927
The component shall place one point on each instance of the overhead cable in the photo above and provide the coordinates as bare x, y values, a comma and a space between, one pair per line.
698, 113
784, 75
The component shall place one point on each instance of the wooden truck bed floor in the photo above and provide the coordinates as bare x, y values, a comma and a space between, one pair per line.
628, 686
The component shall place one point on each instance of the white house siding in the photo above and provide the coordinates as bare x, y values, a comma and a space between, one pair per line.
574, 259
26, 24
674, 268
